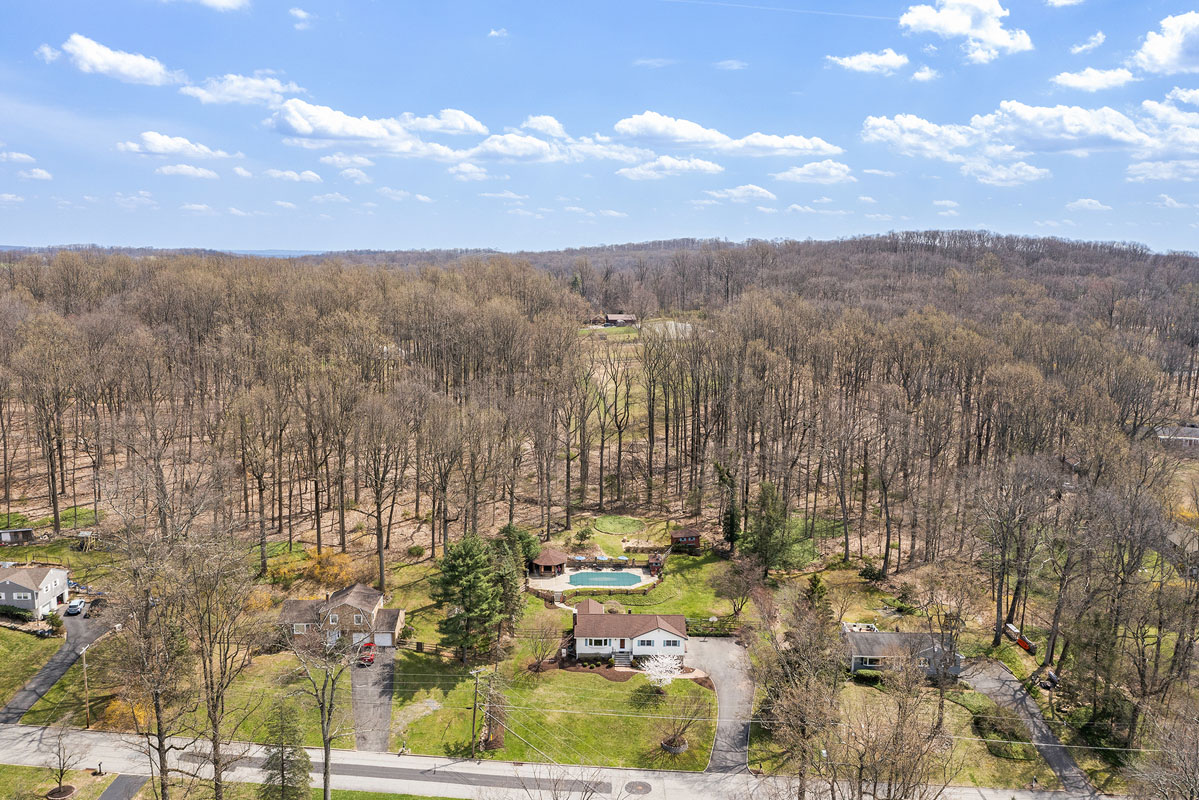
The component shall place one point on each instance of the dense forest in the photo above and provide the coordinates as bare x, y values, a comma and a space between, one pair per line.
978, 403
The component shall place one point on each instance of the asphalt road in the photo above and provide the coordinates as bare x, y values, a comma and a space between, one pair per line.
371, 696
80, 633
726, 663
996, 682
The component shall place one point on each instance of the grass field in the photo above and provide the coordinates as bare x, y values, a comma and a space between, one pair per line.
86, 568
37, 781
685, 589
619, 525
21, 655
65, 700
571, 717
408, 587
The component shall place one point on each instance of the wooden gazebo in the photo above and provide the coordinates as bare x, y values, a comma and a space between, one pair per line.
549, 563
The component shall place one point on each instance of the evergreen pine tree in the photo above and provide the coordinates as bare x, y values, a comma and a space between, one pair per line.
510, 580
467, 589
768, 527
285, 771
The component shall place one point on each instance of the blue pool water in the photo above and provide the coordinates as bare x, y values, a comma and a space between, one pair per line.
604, 579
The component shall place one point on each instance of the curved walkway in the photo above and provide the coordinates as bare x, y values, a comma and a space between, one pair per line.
998, 683
81, 632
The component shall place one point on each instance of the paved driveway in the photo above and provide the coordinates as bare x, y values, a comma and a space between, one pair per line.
998, 683
372, 701
726, 662
80, 633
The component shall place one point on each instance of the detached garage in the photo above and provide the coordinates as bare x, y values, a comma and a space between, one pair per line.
388, 624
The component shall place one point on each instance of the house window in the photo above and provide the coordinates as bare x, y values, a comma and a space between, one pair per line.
299, 627
671, 643
597, 642
645, 642
332, 619
21, 596
357, 619
1, 595
871, 662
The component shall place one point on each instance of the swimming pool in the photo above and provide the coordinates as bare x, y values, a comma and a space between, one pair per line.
605, 579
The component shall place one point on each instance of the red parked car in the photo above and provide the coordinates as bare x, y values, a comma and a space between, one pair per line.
367, 656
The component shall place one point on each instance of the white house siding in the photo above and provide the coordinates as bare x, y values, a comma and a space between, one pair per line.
636, 646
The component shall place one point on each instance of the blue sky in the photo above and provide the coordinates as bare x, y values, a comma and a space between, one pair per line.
316, 124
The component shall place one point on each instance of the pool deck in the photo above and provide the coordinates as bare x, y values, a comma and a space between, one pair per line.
560, 583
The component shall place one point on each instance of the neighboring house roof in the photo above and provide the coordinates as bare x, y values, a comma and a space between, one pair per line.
29, 577
621, 317
294, 611
359, 596
684, 533
885, 644
389, 620
628, 626
550, 558
1181, 432
589, 606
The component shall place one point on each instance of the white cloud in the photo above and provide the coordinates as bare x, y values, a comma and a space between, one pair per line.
91, 56
393, 194
879, 217
356, 175
828, 212
863, 198
224, 5
608, 212
1174, 50
497, 33
47, 53
237, 212
946, 203
767, 209
341, 161
9, 197
17, 158
1095, 39
651, 125
1189, 96
543, 123
261, 88
662, 166
132, 202
520, 212
1093, 80
507, 194
1166, 201
883, 62
303, 19
925, 74
949, 212
307, 176
994, 174
422, 198
1061, 3
159, 144
468, 172
882, 173
731, 64
1087, 204
742, 194
242, 172
35, 174
653, 63
186, 171
331, 197
197, 208
1186, 170
979, 22
448, 120
284, 204
825, 199
826, 171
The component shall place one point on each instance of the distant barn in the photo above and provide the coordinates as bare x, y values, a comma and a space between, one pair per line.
620, 320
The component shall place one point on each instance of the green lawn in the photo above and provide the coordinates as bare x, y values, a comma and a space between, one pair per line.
621, 526
21, 655
37, 781
87, 568
571, 717
685, 589
408, 587
65, 700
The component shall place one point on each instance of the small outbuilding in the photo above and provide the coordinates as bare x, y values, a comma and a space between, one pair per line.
16, 536
549, 562
685, 537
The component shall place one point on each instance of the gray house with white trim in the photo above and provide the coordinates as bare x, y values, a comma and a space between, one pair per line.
36, 589
870, 648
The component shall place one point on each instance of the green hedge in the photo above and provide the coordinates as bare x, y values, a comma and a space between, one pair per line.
19, 614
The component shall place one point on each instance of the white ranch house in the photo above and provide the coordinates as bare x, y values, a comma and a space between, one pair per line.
625, 637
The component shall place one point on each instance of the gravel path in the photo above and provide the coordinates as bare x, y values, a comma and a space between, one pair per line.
726, 663
995, 681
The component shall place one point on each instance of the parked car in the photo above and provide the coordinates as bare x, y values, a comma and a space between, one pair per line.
76, 606
367, 656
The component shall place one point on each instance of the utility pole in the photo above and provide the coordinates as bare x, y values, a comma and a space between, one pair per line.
474, 713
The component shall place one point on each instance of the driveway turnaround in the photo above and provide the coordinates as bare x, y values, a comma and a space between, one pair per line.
995, 681
371, 699
726, 663
81, 632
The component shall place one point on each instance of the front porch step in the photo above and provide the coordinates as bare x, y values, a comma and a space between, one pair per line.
622, 659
